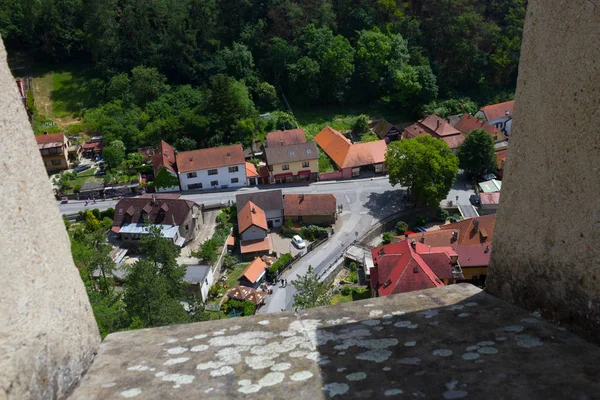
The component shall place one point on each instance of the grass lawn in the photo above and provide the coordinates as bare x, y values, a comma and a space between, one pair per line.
369, 137
325, 162
356, 294
234, 274
340, 298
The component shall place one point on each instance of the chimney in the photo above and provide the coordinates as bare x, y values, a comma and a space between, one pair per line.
381, 252
476, 225
507, 113
406, 236
281, 142
253, 210
413, 244
438, 125
487, 249
454, 235
153, 199
423, 238
173, 219
302, 197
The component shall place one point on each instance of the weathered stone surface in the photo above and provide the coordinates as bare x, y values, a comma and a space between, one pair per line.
332, 352
48, 334
547, 240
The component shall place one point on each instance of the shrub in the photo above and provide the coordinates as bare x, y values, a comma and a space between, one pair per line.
108, 213
248, 308
420, 220
213, 292
77, 188
245, 307
361, 125
401, 227
313, 232
387, 238
442, 214
352, 266
96, 213
207, 251
229, 260
353, 277
346, 290
288, 224
283, 261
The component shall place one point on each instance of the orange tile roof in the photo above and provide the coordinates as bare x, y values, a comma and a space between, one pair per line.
285, 138
251, 170
348, 155
215, 157
249, 215
50, 138
252, 246
254, 270
501, 157
497, 111
231, 241
469, 235
165, 156
334, 144
467, 123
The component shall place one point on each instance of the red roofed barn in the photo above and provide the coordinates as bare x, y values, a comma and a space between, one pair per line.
310, 209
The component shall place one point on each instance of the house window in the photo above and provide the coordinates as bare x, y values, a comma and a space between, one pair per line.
53, 150
308, 151
192, 175
292, 154
195, 186
234, 180
213, 172
187, 227
214, 183
285, 167
233, 169
378, 167
305, 164
56, 162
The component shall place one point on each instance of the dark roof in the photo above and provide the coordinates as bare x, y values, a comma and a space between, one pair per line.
285, 138
267, 200
215, 157
156, 210
382, 128
309, 204
196, 273
292, 153
164, 156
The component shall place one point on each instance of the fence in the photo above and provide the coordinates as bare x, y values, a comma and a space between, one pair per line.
329, 176
217, 267
389, 224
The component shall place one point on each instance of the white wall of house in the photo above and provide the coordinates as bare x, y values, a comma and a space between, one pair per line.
275, 216
169, 189
205, 286
253, 233
223, 178
504, 123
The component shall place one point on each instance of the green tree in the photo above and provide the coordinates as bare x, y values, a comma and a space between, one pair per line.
185, 144
387, 238
426, 166
401, 227
236, 61
265, 97
147, 84
207, 251
163, 254
119, 88
146, 297
310, 292
361, 125
477, 154
113, 156
304, 78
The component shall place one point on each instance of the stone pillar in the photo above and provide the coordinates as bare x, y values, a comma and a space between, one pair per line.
48, 335
546, 252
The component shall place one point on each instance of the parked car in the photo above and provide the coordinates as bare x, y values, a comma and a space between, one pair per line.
82, 167
488, 177
298, 242
474, 199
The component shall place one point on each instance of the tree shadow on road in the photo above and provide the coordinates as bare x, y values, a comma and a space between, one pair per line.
381, 205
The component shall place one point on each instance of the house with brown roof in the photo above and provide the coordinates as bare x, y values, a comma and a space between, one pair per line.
54, 148
438, 128
177, 219
468, 123
407, 266
270, 201
499, 115
386, 131
293, 162
217, 167
254, 274
165, 168
352, 158
285, 137
311, 209
253, 230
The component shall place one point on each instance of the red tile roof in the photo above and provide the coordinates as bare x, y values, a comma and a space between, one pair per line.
438, 128
253, 246
497, 111
285, 138
249, 215
469, 235
254, 271
501, 157
251, 170
309, 204
474, 256
348, 155
399, 269
439, 125
50, 138
467, 123
215, 157
164, 157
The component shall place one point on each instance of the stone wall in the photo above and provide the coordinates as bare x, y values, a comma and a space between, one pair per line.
48, 334
547, 242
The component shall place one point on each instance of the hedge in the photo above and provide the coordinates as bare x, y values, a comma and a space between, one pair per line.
283, 261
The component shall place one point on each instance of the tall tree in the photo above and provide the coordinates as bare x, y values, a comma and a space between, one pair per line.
477, 154
426, 166
310, 292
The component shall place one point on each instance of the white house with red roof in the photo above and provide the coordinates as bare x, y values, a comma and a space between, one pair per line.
499, 115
